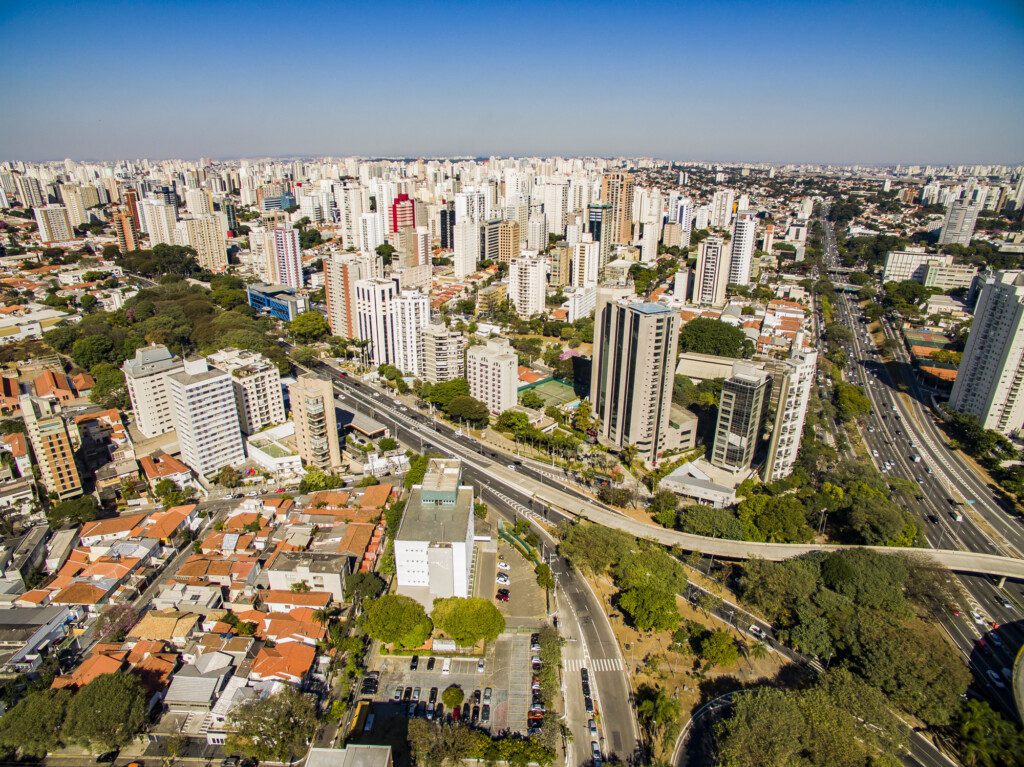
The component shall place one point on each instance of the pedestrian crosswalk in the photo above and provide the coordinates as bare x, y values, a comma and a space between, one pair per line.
594, 664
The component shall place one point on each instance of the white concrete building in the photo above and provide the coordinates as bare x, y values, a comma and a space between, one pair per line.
375, 320
712, 274
205, 417
158, 219
796, 382
444, 353
492, 372
434, 543
146, 378
341, 273
958, 226
586, 262
286, 258
257, 385
466, 235
721, 208
527, 283
372, 231
741, 254
412, 315
990, 378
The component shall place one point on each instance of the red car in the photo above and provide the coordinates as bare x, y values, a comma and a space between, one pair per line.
501, 597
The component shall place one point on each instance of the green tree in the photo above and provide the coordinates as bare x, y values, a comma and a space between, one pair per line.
776, 519
276, 728
33, 726
545, 578
309, 327
91, 351
656, 709
469, 410
228, 476
398, 620
452, 696
531, 399
73, 511
363, 586
719, 649
851, 402
706, 336
107, 713
650, 609
434, 743
711, 522
387, 444
317, 479
109, 390
468, 621
984, 738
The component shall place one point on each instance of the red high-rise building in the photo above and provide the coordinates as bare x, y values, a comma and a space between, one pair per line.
403, 212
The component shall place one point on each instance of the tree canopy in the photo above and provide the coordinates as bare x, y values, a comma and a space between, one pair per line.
468, 621
706, 336
398, 620
276, 728
107, 713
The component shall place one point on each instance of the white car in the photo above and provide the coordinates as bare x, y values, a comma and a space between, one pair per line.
504, 566
978, 618
502, 579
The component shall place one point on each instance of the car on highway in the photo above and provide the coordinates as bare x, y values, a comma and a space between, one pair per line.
995, 678
977, 618
757, 631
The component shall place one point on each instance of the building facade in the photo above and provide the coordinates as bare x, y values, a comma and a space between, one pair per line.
316, 423
145, 376
205, 417
492, 372
741, 412
257, 385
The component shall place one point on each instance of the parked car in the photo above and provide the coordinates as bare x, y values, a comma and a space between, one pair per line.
414, 663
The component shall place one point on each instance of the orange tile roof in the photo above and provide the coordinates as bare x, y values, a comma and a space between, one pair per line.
17, 443
83, 381
80, 594
356, 539
302, 598
330, 498
48, 382
160, 465
9, 387
289, 661
94, 666
112, 526
943, 374
375, 496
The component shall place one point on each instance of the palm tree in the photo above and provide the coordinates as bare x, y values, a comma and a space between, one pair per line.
656, 709
759, 651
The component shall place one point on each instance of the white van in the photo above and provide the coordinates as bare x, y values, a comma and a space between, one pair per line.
446, 667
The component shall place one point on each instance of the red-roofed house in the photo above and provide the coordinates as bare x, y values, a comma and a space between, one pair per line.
162, 466
17, 446
282, 601
289, 662
112, 529
10, 395
53, 385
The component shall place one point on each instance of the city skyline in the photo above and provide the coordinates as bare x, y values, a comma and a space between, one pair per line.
795, 83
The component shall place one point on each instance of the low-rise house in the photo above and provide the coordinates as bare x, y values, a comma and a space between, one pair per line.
114, 528
283, 600
160, 466
25, 632
319, 571
187, 597
290, 662
17, 446
172, 626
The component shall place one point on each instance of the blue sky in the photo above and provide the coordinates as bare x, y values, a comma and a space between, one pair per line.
760, 81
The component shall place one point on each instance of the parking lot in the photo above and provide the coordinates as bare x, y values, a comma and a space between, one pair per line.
506, 672
527, 604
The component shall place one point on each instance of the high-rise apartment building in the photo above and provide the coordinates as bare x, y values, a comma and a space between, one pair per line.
158, 219
286, 258
371, 232
617, 191
586, 264
990, 378
199, 202
125, 231
51, 445
527, 284
257, 385
508, 241
205, 417
599, 223
958, 226
741, 412
78, 199
795, 383
412, 315
375, 318
492, 372
721, 208
316, 423
31, 192
444, 354
633, 371
467, 248
53, 223
131, 201
741, 255
341, 273
403, 213
712, 274
145, 376
207, 236
537, 233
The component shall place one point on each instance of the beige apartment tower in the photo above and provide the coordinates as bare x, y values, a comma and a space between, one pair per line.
617, 191
316, 425
126, 231
51, 445
633, 371
508, 241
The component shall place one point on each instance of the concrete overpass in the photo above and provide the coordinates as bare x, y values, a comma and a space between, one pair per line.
951, 559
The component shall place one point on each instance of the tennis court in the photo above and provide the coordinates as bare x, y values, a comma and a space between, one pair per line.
555, 393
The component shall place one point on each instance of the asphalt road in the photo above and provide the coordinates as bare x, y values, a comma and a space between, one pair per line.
898, 428
584, 623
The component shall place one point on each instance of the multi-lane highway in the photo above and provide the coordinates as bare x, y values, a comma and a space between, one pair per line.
590, 642
904, 442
